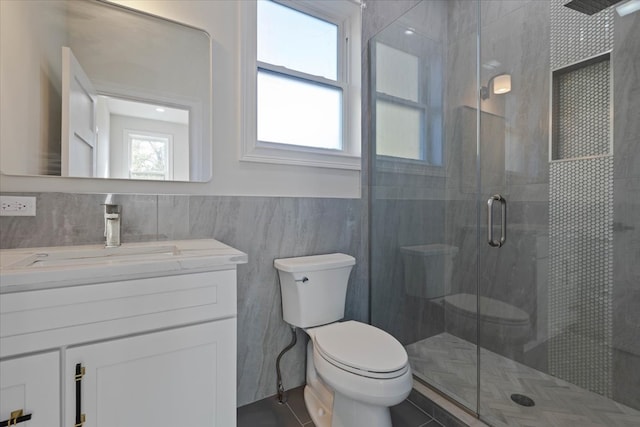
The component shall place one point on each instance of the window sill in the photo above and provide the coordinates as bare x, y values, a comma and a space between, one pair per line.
408, 166
300, 156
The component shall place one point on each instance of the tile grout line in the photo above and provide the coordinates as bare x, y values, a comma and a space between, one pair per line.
421, 410
294, 414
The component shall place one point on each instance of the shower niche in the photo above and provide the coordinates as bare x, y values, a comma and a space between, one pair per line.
581, 110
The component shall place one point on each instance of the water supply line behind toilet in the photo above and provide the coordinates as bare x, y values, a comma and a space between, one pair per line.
282, 397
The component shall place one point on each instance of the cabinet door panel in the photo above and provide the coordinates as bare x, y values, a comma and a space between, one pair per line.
175, 377
31, 383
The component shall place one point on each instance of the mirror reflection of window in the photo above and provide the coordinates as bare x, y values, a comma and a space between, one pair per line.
122, 118
150, 156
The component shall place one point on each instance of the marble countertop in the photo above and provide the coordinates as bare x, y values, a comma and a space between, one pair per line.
30, 269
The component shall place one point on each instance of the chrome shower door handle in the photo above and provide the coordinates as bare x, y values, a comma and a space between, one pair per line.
503, 226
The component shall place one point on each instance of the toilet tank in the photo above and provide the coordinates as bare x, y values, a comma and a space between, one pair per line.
314, 288
428, 269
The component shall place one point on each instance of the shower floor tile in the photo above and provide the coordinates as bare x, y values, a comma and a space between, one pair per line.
449, 363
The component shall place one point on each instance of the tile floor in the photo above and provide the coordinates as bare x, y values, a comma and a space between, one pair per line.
450, 363
269, 413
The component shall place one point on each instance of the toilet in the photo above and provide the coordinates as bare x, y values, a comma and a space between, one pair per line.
503, 328
428, 272
355, 371
428, 269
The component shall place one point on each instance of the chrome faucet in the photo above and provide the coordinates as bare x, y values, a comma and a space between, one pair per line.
112, 225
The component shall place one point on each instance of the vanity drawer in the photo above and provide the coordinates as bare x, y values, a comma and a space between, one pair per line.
37, 320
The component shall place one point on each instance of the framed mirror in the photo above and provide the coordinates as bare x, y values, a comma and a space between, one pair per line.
92, 89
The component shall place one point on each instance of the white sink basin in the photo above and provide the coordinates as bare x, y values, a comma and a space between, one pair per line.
75, 257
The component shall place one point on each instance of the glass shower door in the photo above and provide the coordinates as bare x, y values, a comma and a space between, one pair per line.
423, 191
559, 343
505, 206
514, 205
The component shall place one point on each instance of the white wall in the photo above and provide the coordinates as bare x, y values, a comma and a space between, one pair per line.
118, 159
30, 87
221, 19
104, 144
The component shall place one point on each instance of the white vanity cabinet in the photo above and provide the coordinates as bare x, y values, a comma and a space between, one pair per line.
178, 377
31, 384
141, 351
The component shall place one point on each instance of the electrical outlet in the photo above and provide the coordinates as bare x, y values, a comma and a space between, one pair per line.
17, 206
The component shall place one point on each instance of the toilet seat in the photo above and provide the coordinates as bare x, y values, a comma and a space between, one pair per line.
361, 349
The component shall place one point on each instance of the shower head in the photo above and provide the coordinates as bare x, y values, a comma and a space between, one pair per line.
590, 6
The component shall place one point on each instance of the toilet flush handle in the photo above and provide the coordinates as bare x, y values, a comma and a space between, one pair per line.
304, 279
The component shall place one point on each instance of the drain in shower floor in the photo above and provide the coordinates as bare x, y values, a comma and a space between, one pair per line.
522, 400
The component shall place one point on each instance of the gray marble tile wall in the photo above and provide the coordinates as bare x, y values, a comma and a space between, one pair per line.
265, 228
395, 304
461, 145
626, 210
378, 14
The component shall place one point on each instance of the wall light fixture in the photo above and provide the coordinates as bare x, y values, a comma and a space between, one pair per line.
501, 85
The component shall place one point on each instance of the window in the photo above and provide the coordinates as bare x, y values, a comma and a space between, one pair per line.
150, 155
301, 87
398, 110
408, 104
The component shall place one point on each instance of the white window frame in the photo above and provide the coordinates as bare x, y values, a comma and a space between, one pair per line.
346, 15
129, 134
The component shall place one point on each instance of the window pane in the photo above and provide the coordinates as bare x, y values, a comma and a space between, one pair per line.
296, 40
149, 176
292, 111
396, 73
398, 131
149, 158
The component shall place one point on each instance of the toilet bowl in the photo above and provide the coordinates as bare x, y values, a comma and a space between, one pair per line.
366, 369
355, 371
428, 272
504, 328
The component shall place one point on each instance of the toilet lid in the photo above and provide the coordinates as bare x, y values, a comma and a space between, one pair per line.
491, 310
361, 347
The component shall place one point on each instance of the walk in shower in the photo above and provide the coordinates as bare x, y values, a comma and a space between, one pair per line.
504, 189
